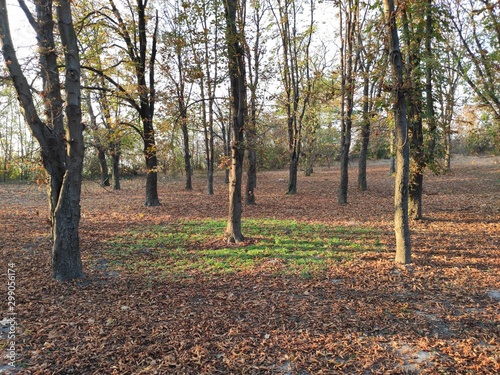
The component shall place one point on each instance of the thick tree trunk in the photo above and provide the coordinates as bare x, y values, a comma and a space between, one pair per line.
66, 260
66, 263
401, 225
233, 229
62, 154
239, 117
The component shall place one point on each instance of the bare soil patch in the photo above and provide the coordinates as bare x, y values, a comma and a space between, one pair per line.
365, 316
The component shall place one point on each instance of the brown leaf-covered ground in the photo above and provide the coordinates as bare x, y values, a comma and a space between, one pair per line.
441, 315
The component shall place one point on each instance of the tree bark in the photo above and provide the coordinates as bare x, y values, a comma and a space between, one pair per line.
347, 97
187, 153
365, 135
115, 156
239, 117
101, 151
151, 165
62, 152
431, 115
101, 155
401, 225
415, 121
137, 48
293, 169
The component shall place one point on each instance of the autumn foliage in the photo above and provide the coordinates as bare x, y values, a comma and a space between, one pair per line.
364, 314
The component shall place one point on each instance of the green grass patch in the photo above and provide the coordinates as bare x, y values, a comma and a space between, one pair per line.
190, 248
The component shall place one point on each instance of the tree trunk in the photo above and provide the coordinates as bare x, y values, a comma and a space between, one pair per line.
392, 164
415, 122
62, 154
344, 168
365, 135
401, 225
293, 169
115, 156
431, 116
251, 177
251, 135
348, 99
101, 155
151, 165
239, 117
211, 151
309, 162
187, 152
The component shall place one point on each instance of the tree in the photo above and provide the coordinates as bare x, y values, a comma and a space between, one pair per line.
477, 24
295, 75
254, 56
447, 98
348, 65
202, 22
239, 112
97, 142
176, 50
401, 225
413, 34
60, 137
103, 105
139, 92
372, 61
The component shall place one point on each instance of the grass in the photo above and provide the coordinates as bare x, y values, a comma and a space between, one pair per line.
188, 248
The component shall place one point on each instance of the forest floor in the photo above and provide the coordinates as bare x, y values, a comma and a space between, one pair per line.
359, 314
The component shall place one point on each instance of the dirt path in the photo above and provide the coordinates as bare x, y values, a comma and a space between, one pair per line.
439, 315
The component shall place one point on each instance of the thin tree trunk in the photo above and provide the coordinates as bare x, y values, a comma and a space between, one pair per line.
239, 117
431, 116
392, 164
211, 151
151, 165
251, 177
293, 169
101, 152
115, 156
365, 135
251, 135
401, 225
348, 92
181, 104
187, 153
101, 155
